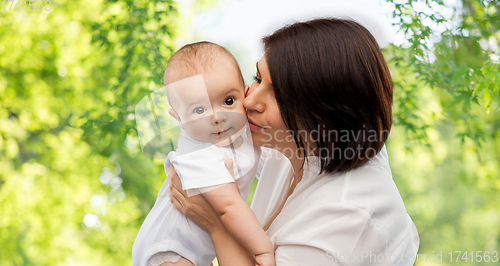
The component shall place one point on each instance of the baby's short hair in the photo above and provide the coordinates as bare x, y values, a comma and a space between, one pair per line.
196, 58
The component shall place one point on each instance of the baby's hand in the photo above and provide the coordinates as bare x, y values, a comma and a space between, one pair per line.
265, 259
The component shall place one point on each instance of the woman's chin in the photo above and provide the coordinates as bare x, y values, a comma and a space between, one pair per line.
260, 140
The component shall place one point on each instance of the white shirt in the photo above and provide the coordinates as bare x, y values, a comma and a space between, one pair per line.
347, 218
199, 165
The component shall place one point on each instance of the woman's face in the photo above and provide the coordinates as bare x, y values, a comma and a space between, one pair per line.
264, 117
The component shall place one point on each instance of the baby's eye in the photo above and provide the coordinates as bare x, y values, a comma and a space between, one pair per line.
229, 101
199, 110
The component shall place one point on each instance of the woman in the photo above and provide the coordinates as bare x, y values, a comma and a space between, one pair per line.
322, 96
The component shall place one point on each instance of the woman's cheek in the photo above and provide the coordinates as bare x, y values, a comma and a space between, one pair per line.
254, 84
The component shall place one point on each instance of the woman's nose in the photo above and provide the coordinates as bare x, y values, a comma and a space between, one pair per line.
254, 101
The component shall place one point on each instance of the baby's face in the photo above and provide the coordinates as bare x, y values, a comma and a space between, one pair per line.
210, 106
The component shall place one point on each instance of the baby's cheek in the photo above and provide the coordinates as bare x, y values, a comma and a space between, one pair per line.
241, 108
237, 120
199, 129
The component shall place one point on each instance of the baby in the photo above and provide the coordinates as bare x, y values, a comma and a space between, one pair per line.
205, 89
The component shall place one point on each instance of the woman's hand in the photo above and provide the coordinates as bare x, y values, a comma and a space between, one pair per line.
195, 207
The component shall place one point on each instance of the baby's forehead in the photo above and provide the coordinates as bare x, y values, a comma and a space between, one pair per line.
191, 85
204, 85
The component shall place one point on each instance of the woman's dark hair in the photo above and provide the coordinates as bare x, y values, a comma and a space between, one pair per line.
330, 78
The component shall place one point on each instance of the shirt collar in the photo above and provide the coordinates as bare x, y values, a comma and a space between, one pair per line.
312, 164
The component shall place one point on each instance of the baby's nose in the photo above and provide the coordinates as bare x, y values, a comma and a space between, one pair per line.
219, 117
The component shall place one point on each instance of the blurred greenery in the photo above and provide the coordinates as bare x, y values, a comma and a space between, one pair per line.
75, 187
445, 147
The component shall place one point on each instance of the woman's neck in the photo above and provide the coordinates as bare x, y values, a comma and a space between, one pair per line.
297, 176
297, 162
297, 169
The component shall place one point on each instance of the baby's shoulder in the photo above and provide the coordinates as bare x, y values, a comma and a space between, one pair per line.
205, 154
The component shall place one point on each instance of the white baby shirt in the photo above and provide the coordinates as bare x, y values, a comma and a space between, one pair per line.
199, 165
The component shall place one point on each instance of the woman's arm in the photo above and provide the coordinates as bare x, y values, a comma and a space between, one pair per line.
229, 251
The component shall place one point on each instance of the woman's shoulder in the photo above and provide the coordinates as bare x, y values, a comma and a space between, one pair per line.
341, 228
363, 202
369, 187
355, 187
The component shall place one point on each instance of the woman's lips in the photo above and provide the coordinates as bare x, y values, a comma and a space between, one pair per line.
254, 126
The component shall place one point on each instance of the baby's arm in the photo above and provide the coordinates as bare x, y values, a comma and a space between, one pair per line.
240, 221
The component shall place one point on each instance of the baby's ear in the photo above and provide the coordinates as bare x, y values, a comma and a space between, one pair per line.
174, 114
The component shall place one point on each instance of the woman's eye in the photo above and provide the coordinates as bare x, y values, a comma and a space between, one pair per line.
229, 101
257, 79
199, 110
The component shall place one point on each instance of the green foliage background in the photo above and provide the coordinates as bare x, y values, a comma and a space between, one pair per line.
70, 78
